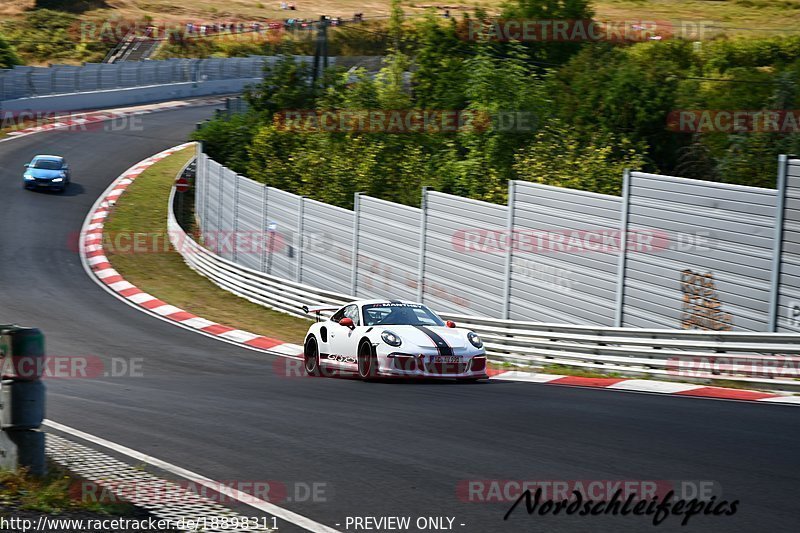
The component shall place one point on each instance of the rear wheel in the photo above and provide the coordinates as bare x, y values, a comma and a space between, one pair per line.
311, 357
367, 361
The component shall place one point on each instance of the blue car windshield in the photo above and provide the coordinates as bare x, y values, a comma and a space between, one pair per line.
46, 164
390, 313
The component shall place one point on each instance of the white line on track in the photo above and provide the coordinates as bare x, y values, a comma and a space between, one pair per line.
247, 499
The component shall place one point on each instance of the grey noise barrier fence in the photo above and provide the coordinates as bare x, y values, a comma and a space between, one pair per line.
704, 285
63, 88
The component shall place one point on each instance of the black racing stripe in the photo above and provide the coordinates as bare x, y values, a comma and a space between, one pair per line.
441, 344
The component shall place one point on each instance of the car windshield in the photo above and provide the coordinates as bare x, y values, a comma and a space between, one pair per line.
47, 164
391, 313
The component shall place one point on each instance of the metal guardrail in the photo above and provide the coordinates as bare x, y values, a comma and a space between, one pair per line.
759, 360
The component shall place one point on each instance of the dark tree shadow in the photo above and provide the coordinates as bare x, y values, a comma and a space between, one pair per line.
72, 6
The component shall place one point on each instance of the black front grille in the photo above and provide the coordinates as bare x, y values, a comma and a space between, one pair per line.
445, 368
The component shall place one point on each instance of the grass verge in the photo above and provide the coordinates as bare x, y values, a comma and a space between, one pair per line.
142, 211
53, 494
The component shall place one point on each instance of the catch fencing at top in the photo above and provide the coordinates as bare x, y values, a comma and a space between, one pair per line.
668, 253
26, 82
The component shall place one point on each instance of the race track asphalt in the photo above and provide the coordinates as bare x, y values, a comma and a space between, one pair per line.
381, 449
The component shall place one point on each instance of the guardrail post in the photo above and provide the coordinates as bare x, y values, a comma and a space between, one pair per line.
267, 230
22, 399
31, 86
510, 239
356, 229
299, 244
206, 186
777, 245
623, 248
221, 192
423, 228
235, 241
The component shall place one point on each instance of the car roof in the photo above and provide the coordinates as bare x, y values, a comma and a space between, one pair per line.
54, 157
383, 301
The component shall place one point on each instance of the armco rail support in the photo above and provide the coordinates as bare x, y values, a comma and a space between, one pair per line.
21, 399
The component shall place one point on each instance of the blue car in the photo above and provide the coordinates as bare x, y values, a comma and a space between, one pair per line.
46, 171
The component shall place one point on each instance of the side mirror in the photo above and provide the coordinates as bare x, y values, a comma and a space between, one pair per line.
64, 167
26, 165
450, 324
347, 322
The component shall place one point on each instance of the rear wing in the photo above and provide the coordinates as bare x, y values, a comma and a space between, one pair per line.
318, 309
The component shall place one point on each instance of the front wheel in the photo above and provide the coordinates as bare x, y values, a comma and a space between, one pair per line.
367, 361
311, 357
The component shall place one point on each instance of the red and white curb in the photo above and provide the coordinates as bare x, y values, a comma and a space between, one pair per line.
97, 264
80, 121
649, 386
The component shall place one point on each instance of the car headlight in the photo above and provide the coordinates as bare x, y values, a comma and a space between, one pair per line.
28, 177
474, 339
391, 338
58, 179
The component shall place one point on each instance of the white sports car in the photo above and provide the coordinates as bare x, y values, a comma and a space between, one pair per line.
392, 338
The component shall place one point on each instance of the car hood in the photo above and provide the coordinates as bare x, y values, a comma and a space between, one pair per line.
427, 336
44, 173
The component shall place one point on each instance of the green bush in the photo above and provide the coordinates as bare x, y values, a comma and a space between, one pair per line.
8, 56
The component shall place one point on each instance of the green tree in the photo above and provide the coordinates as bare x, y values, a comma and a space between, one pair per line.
8, 56
558, 157
540, 10
286, 85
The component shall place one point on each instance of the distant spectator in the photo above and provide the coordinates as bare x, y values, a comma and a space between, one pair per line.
291, 7
283, 5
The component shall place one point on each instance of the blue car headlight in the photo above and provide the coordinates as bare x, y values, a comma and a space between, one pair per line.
391, 338
28, 177
474, 339
58, 179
